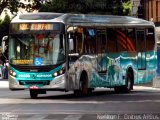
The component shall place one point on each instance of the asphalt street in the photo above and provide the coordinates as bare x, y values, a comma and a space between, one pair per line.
104, 104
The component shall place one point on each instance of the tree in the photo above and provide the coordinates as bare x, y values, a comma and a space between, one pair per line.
115, 7
127, 7
4, 30
54, 6
13, 5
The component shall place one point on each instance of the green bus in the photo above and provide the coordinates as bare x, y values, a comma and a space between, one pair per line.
79, 52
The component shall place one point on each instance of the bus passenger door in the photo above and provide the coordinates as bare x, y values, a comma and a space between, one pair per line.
101, 51
141, 54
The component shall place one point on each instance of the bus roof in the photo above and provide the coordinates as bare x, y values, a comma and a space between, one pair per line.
82, 19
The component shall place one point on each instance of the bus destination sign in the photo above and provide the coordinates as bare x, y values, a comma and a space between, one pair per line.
37, 26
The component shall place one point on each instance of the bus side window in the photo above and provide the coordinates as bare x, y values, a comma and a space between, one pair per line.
111, 41
131, 41
89, 41
150, 42
121, 38
140, 40
79, 45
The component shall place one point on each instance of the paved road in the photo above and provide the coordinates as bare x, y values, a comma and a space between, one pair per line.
104, 104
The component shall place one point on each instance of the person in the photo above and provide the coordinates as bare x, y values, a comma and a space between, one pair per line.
5, 71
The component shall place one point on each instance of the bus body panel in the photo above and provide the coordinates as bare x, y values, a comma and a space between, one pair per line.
43, 80
117, 66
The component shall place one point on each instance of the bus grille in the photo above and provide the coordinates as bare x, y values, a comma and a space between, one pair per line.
45, 82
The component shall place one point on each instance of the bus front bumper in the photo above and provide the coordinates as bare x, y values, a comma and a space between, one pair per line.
58, 83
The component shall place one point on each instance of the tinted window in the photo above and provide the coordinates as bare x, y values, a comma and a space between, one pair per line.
131, 42
150, 40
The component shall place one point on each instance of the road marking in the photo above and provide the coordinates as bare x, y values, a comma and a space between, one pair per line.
73, 117
31, 101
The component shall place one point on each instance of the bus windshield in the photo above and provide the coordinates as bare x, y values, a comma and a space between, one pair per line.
37, 49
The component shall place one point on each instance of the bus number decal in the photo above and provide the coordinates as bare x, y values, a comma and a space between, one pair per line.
23, 26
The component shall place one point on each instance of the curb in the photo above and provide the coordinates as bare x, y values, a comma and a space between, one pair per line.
144, 88
4, 84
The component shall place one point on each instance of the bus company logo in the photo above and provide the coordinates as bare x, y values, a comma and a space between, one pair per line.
24, 76
43, 76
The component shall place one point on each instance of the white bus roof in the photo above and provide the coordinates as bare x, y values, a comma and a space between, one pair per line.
82, 19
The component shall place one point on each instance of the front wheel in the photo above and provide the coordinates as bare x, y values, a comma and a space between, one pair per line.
33, 94
83, 86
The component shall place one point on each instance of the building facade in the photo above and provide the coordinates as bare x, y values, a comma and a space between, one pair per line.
147, 9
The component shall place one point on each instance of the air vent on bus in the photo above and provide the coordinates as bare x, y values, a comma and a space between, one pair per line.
45, 82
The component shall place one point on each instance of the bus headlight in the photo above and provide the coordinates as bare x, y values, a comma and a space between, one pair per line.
14, 74
11, 72
60, 72
55, 74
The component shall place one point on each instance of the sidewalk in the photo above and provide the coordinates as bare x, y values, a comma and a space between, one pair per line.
4, 83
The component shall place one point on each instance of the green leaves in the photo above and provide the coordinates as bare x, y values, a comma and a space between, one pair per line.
115, 7
127, 7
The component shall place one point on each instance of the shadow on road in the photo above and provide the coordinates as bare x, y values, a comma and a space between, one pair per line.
104, 96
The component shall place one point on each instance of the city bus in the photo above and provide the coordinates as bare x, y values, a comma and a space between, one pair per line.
79, 52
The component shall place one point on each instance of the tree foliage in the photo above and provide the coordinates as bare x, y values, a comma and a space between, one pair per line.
4, 30
13, 5
116, 7
127, 6
4, 26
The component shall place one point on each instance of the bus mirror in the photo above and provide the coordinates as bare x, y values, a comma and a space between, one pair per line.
3, 45
71, 47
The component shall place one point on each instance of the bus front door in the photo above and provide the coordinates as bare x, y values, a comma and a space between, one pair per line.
141, 54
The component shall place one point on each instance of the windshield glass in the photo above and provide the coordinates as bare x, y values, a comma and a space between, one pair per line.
37, 49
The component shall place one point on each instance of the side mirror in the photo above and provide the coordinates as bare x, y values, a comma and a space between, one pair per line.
71, 46
3, 45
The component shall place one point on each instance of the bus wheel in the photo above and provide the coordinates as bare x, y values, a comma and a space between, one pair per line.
33, 94
126, 88
83, 86
90, 90
129, 85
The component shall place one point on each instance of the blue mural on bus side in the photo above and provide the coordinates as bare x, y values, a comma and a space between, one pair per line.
116, 65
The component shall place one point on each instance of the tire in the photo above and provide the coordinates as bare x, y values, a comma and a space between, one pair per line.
76, 92
127, 87
83, 85
33, 94
129, 83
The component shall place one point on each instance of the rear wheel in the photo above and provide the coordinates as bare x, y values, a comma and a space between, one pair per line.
127, 87
129, 83
33, 94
